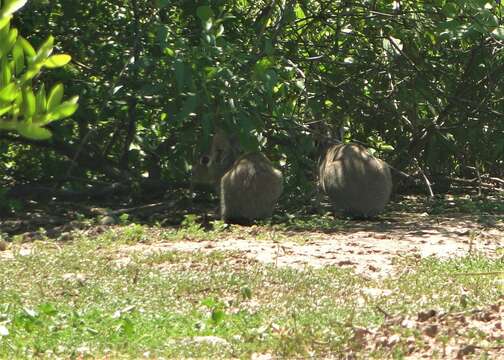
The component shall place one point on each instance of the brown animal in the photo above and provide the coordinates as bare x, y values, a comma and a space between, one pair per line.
210, 167
250, 189
249, 186
357, 183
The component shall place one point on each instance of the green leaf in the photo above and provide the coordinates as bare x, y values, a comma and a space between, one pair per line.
163, 36
243, 3
298, 10
484, 21
209, 302
4, 110
489, 19
40, 100
210, 72
29, 106
55, 96
162, 3
220, 30
450, 10
247, 141
246, 292
47, 309
4, 32
270, 79
9, 92
30, 73
42, 119
28, 49
7, 44
217, 315
45, 50
204, 13
268, 46
11, 6
209, 39
189, 106
451, 29
127, 327
499, 33
6, 73
32, 131
64, 110
386, 148
207, 25
57, 61
262, 65
18, 55
5, 20
300, 84
179, 73
475, 4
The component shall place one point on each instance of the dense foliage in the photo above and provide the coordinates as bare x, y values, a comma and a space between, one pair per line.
21, 109
421, 82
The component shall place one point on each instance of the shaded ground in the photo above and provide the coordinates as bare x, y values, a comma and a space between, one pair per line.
371, 248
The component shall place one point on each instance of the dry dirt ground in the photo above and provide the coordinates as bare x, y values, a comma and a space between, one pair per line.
370, 248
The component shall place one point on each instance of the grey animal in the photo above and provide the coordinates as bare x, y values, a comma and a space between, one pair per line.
357, 183
248, 186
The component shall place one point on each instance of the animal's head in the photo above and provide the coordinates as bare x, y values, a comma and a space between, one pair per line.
211, 165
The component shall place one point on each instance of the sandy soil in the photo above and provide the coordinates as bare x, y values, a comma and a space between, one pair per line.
370, 248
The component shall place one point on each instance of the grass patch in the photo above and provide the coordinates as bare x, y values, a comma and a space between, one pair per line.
81, 299
314, 222
467, 204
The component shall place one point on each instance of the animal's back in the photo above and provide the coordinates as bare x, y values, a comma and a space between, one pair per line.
356, 182
250, 189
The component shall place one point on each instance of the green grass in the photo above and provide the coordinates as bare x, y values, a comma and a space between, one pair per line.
314, 222
466, 204
72, 299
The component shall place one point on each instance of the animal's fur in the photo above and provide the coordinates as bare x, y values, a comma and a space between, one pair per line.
357, 183
249, 186
250, 189
210, 167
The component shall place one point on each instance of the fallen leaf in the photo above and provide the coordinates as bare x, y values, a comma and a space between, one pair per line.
466, 350
426, 315
431, 330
